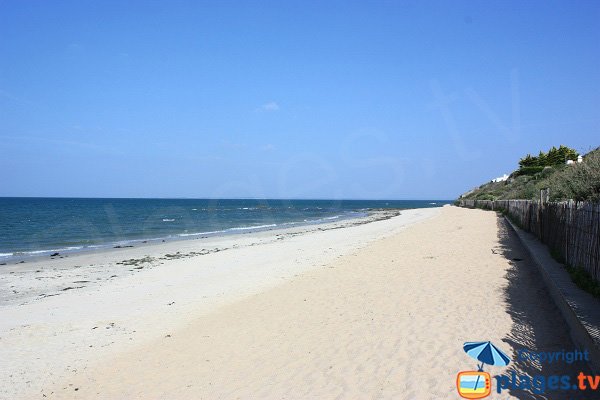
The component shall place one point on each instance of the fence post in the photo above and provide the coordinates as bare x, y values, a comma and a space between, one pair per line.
544, 195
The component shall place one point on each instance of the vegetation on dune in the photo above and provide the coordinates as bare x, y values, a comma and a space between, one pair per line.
580, 181
577, 181
553, 157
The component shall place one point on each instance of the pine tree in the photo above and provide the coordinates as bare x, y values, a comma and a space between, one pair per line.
542, 159
528, 161
554, 157
567, 153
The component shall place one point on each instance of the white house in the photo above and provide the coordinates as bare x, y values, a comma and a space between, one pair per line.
579, 160
501, 178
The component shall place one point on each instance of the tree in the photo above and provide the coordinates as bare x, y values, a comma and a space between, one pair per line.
530, 165
554, 157
567, 153
542, 159
528, 161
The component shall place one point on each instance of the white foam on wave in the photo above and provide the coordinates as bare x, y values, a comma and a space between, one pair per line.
245, 228
240, 228
312, 221
294, 222
199, 233
38, 252
168, 220
53, 250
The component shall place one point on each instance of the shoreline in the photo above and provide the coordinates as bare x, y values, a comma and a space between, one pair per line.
366, 216
45, 276
79, 310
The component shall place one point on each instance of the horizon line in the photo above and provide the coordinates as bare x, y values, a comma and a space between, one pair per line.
214, 198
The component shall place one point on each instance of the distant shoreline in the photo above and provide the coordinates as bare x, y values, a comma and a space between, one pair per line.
102, 264
40, 227
17, 257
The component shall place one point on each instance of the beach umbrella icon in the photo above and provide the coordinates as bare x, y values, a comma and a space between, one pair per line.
487, 353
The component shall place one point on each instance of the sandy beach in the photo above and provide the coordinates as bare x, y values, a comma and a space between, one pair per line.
269, 200
375, 310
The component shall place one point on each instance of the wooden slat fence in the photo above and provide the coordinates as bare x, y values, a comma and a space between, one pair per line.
572, 229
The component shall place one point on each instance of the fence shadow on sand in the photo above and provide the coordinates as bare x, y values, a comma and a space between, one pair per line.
537, 322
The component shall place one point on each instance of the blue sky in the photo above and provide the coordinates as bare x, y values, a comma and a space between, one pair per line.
289, 99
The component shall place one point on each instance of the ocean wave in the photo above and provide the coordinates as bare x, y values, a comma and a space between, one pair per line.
39, 235
294, 222
245, 228
40, 252
33, 252
312, 221
133, 241
169, 231
199, 233
53, 250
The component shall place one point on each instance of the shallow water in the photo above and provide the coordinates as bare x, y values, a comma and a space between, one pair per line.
39, 226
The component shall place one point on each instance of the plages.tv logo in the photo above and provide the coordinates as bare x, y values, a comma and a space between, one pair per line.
478, 384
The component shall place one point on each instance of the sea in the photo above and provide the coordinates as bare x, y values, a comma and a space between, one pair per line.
43, 226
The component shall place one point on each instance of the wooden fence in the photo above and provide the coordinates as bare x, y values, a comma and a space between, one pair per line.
571, 229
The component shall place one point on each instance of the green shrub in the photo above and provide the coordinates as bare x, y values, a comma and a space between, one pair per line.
547, 171
485, 196
528, 171
584, 280
580, 181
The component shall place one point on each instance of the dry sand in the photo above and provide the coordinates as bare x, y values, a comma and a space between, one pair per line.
372, 311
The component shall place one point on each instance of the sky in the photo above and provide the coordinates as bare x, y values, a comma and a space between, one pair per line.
289, 99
